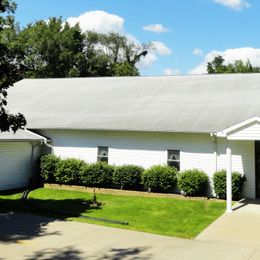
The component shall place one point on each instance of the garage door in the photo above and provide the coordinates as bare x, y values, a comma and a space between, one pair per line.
15, 164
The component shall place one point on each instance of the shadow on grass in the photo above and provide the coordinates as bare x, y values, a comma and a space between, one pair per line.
17, 226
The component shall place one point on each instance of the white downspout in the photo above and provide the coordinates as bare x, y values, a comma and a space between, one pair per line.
229, 179
214, 139
45, 140
215, 155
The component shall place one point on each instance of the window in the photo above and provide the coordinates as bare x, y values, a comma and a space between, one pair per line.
102, 154
173, 159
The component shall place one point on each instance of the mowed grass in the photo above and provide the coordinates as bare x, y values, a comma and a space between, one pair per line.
165, 216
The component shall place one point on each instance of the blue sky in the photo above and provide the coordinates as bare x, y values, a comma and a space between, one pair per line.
185, 33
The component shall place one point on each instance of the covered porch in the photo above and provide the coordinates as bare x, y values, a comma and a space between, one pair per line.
246, 131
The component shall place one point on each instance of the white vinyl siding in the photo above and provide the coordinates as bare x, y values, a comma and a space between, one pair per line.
15, 164
144, 149
147, 149
243, 161
249, 132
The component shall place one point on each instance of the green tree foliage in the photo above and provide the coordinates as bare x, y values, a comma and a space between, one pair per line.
120, 53
53, 48
218, 66
10, 65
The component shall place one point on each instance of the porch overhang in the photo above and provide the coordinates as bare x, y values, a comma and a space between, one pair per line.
248, 130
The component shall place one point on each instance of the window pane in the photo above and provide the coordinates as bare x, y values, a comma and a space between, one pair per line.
102, 154
102, 151
174, 159
173, 155
103, 159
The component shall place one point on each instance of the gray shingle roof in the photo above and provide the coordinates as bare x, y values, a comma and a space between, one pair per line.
20, 135
205, 103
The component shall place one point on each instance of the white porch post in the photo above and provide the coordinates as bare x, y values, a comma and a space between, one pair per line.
229, 179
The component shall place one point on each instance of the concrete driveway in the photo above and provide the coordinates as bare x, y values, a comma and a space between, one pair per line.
25, 236
241, 227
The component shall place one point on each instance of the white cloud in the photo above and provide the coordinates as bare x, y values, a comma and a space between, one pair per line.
237, 5
197, 52
169, 72
160, 48
230, 56
103, 22
147, 61
157, 28
98, 21
157, 48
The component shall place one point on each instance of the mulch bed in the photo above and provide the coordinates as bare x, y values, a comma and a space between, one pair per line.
125, 192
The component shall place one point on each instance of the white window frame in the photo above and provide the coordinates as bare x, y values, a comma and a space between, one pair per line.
174, 160
102, 156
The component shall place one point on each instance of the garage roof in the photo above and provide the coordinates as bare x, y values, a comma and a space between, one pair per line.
20, 135
193, 103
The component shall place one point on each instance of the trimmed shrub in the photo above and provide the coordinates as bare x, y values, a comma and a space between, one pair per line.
219, 179
159, 178
68, 171
97, 175
48, 166
128, 176
193, 182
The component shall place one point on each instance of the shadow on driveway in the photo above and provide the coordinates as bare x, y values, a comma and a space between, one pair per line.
126, 253
57, 254
245, 202
19, 226
75, 254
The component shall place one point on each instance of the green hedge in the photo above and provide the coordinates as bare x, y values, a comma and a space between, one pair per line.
68, 171
159, 178
193, 182
48, 166
219, 180
97, 175
128, 177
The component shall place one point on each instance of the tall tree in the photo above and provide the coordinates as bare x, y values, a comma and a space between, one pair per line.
121, 54
218, 66
53, 48
10, 66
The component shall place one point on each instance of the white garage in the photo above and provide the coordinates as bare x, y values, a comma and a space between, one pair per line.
18, 155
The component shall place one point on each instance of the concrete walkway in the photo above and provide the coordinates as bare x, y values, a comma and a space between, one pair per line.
25, 236
241, 227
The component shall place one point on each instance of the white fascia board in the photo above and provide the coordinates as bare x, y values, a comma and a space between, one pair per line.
226, 131
37, 135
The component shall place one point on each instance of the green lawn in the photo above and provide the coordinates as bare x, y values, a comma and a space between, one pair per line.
165, 216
